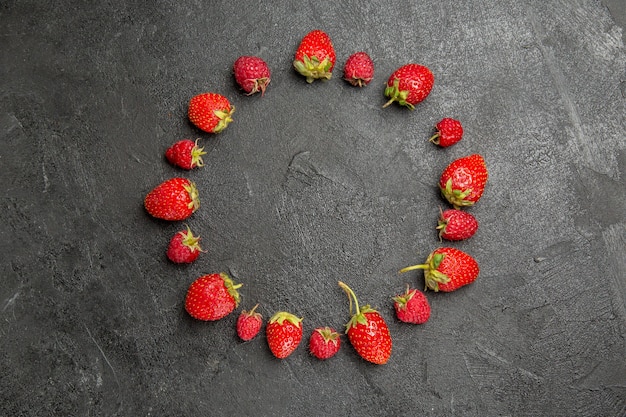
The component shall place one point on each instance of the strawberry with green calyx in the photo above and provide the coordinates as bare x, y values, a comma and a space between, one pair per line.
249, 324
447, 269
315, 57
185, 154
212, 297
173, 199
252, 74
455, 224
409, 85
283, 333
462, 183
449, 132
324, 343
210, 112
412, 306
359, 69
184, 247
367, 331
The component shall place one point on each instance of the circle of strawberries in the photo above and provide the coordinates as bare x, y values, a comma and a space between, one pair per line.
214, 296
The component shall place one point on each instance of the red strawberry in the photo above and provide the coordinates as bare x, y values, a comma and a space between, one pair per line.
463, 181
185, 154
249, 324
409, 85
367, 331
212, 297
173, 199
210, 112
456, 225
184, 247
412, 306
284, 333
449, 132
359, 69
447, 269
315, 56
324, 343
252, 74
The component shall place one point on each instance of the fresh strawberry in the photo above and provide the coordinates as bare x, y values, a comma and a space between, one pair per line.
324, 343
210, 112
284, 333
456, 225
449, 132
463, 181
185, 154
184, 247
409, 85
412, 306
315, 56
173, 199
359, 69
249, 324
212, 297
447, 269
367, 331
252, 74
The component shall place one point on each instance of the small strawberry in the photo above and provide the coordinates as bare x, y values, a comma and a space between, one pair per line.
447, 269
412, 306
284, 333
252, 74
173, 199
185, 154
315, 56
359, 69
249, 324
324, 343
449, 132
409, 85
463, 181
210, 112
367, 331
212, 297
184, 247
456, 225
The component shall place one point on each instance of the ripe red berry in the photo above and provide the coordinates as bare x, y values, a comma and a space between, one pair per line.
449, 132
212, 297
252, 74
455, 224
249, 324
184, 247
463, 181
324, 343
185, 154
447, 269
174, 199
315, 56
210, 112
409, 85
412, 306
283, 333
359, 69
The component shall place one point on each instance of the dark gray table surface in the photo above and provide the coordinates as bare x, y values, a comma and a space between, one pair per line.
309, 185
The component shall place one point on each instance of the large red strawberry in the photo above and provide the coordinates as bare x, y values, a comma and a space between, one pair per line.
359, 69
252, 74
455, 224
409, 85
212, 297
210, 112
249, 324
185, 154
315, 56
367, 331
463, 181
324, 343
412, 306
184, 247
447, 269
173, 199
284, 333
449, 132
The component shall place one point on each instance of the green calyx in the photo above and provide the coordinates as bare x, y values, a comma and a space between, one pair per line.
194, 203
283, 316
225, 118
231, 287
403, 299
395, 94
196, 155
191, 241
313, 69
359, 316
329, 335
456, 197
432, 276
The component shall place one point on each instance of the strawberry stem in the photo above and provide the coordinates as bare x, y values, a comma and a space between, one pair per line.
351, 296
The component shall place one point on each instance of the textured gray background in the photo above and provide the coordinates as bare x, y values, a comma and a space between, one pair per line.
311, 184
